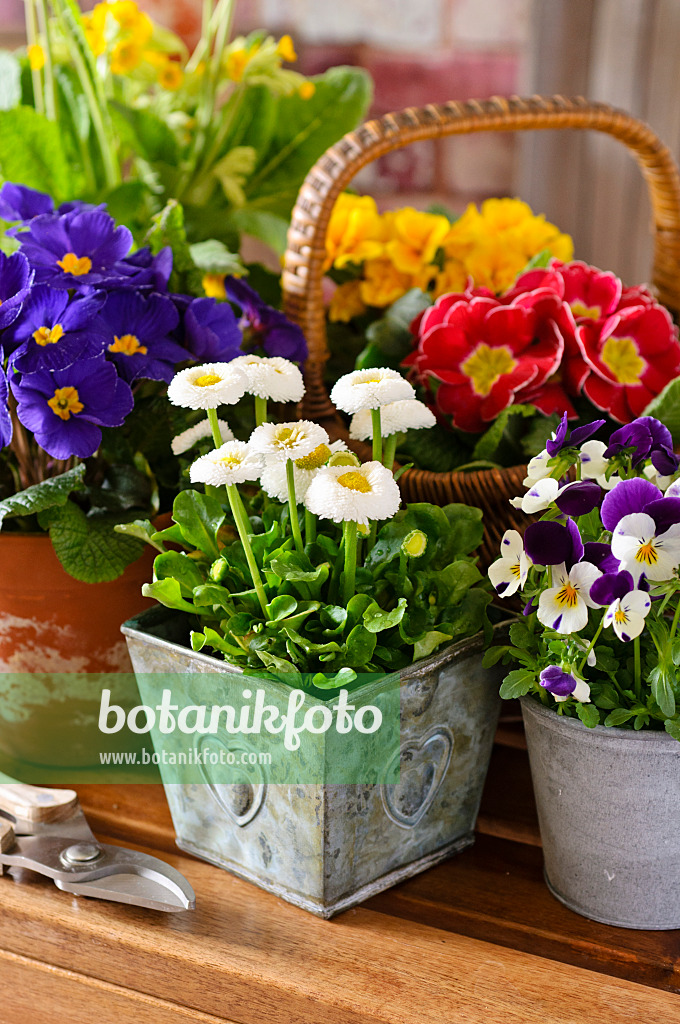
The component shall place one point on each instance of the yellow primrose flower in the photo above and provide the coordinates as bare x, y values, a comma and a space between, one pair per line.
94, 24
495, 264
132, 20
452, 278
500, 214
354, 231
213, 286
383, 283
416, 238
125, 56
286, 49
306, 90
535, 234
346, 302
170, 75
36, 57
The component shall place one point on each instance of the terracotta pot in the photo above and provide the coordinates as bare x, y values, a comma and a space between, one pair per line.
57, 635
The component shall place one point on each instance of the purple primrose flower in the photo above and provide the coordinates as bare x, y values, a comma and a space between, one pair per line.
5, 418
138, 339
53, 330
211, 331
144, 271
20, 203
263, 327
76, 250
16, 278
555, 445
65, 408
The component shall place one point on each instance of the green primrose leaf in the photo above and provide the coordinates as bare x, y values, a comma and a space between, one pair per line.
86, 545
47, 494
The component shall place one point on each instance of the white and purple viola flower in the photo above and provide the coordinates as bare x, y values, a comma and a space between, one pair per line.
508, 574
627, 607
564, 684
645, 528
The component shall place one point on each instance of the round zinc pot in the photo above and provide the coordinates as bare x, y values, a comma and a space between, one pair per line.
608, 805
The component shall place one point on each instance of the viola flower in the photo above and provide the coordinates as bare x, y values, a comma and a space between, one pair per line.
53, 331
5, 418
578, 498
632, 356
627, 607
66, 408
211, 331
20, 203
645, 437
559, 441
629, 496
263, 327
395, 418
552, 543
358, 494
233, 463
188, 438
540, 496
370, 389
564, 684
16, 278
274, 480
594, 462
288, 440
564, 606
508, 574
138, 335
538, 468
601, 556
76, 250
207, 386
644, 549
272, 378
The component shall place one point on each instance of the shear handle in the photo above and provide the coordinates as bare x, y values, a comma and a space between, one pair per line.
35, 804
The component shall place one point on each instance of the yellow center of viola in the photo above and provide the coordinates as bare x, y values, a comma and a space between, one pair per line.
620, 617
647, 554
622, 359
65, 403
355, 482
207, 380
48, 335
567, 596
76, 265
129, 345
316, 459
516, 570
579, 308
487, 365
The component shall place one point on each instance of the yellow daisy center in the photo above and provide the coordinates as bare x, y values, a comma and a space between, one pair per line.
567, 596
316, 459
76, 265
48, 335
579, 308
65, 403
355, 482
206, 380
129, 345
647, 554
622, 359
487, 365
230, 460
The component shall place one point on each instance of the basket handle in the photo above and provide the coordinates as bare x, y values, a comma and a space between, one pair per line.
305, 254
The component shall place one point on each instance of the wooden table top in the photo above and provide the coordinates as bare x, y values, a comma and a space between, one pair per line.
476, 940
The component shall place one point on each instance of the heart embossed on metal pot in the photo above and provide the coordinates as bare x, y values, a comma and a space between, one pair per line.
240, 801
423, 763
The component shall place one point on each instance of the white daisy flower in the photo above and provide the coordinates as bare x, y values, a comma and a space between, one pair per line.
188, 438
540, 496
627, 614
639, 550
288, 440
275, 378
538, 468
207, 386
509, 572
564, 607
395, 417
274, 480
353, 494
233, 463
370, 389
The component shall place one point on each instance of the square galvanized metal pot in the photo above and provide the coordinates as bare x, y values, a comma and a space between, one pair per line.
328, 847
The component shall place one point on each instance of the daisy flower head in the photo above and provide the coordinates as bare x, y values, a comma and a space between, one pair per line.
274, 480
284, 441
207, 386
232, 463
272, 377
188, 438
508, 574
354, 494
395, 418
370, 389
564, 607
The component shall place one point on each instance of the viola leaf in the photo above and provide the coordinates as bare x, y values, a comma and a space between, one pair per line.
517, 683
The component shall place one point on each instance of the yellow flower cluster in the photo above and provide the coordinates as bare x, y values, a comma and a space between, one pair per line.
406, 248
123, 33
257, 60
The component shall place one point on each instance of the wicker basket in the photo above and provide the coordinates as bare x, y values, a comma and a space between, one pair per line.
303, 266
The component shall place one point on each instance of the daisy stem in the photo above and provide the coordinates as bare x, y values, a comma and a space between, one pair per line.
242, 525
215, 427
292, 506
260, 411
638, 668
590, 646
390, 450
349, 532
377, 435
310, 527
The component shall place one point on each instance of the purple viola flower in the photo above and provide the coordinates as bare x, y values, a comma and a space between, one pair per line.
263, 327
611, 586
580, 498
76, 250
557, 681
580, 434
5, 418
211, 331
552, 543
16, 278
601, 556
627, 497
20, 203
529, 607
66, 408
54, 330
643, 437
665, 461
139, 341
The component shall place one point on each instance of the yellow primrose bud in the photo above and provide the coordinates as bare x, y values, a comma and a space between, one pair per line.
306, 90
213, 286
343, 459
286, 49
36, 57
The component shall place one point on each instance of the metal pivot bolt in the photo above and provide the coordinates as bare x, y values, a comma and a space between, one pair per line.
80, 853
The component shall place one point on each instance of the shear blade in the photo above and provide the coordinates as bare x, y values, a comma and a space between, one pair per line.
135, 889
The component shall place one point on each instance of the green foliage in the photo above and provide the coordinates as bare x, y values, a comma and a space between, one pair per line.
35, 152
666, 407
48, 494
86, 544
